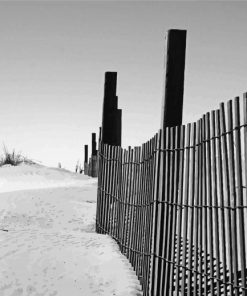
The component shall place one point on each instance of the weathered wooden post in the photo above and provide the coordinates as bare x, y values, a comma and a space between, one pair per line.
100, 136
118, 129
172, 106
94, 151
85, 159
172, 109
112, 116
94, 157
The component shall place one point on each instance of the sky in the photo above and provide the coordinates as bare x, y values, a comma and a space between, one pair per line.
53, 56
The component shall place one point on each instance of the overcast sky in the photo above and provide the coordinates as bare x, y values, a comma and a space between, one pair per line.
53, 56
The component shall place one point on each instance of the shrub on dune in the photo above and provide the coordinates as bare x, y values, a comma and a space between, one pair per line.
13, 158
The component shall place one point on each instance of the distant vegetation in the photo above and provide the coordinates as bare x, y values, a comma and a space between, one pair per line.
13, 158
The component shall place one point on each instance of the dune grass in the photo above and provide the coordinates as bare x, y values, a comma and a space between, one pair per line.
13, 158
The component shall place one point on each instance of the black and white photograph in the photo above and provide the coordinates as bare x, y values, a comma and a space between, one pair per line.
123, 148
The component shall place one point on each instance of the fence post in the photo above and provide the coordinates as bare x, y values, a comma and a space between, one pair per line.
172, 107
85, 159
112, 116
94, 144
94, 157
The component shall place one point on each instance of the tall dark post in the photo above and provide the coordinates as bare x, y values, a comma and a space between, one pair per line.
118, 134
92, 170
100, 134
85, 159
111, 119
94, 151
172, 106
86, 153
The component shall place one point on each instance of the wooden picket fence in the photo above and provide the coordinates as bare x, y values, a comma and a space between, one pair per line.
177, 205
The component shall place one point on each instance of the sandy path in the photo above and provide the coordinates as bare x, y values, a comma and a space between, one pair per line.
51, 247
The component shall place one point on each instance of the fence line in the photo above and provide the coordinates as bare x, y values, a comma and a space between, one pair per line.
177, 205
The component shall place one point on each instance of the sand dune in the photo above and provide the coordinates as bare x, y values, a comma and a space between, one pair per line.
51, 247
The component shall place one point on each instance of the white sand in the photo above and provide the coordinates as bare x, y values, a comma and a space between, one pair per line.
51, 247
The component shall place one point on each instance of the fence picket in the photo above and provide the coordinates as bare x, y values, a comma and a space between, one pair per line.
147, 207
153, 203
215, 204
148, 197
141, 219
143, 213
99, 191
120, 186
209, 226
239, 195
197, 205
136, 231
244, 273
117, 191
227, 200
103, 196
191, 206
133, 206
157, 216
126, 201
204, 238
166, 238
112, 192
180, 202
232, 196
175, 208
223, 211
108, 194
185, 203
122, 199
129, 201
